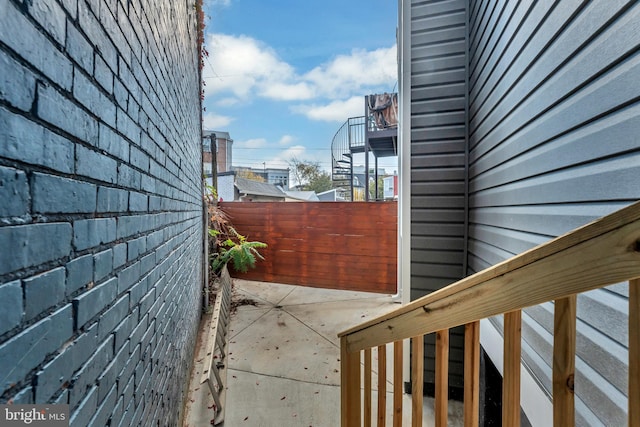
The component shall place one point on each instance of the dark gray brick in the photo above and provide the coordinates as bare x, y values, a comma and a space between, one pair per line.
120, 92
148, 184
147, 301
108, 377
96, 35
139, 159
118, 412
124, 329
128, 177
18, 33
94, 301
88, 233
23, 397
29, 348
43, 291
103, 75
128, 127
129, 225
147, 263
53, 194
17, 84
21, 139
119, 255
59, 111
92, 97
88, 374
128, 276
102, 264
81, 416
79, 48
59, 372
112, 317
135, 247
96, 165
11, 309
112, 199
138, 331
71, 6
137, 291
125, 377
79, 273
113, 143
138, 202
33, 244
51, 16
14, 192
104, 410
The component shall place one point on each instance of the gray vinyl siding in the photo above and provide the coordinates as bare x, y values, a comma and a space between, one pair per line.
525, 124
438, 158
554, 119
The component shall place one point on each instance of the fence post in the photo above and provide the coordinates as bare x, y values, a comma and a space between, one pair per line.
350, 386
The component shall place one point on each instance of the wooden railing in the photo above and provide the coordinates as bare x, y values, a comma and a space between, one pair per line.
601, 253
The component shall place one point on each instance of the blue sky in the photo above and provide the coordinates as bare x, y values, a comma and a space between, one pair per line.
282, 76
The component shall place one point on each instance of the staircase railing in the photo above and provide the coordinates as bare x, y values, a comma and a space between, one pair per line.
599, 254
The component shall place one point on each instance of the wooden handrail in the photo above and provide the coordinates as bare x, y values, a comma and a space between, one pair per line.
604, 252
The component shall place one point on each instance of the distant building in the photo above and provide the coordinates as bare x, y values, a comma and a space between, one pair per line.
271, 175
224, 151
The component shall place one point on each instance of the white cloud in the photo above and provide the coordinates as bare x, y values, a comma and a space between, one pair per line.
252, 143
224, 3
354, 72
211, 121
241, 67
287, 92
282, 159
335, 111
286, 140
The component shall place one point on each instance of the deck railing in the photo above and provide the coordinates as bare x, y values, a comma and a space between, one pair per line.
601, 253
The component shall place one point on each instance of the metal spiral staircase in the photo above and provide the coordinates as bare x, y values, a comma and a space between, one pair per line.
359, 135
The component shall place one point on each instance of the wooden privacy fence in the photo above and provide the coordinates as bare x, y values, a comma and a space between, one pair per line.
602, 253
323, 244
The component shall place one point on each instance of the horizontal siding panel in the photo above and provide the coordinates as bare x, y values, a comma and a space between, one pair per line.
420, 149
443, 216
453, 65
438, 173
440, 91
617, 129
438, 7
454, 17
613, 179
544, 87
435, 257
438, 133
438, 202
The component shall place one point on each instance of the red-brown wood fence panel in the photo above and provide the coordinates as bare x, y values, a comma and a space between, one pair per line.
336, 245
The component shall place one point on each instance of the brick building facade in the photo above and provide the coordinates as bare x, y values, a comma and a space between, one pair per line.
100, 212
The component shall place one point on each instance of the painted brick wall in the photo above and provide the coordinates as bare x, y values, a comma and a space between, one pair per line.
100, 204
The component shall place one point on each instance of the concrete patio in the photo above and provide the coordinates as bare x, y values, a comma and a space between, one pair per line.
283, 362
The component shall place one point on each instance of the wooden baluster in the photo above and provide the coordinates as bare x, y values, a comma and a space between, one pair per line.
350, 386
442, 377
367, 387
511, 377
634, 353
397, 384
417, 379
564, 356
382, 385
472, 374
